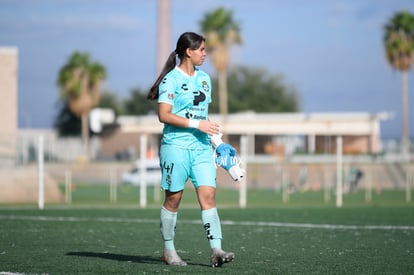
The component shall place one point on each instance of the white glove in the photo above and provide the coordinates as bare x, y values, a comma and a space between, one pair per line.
226, 157
216, 140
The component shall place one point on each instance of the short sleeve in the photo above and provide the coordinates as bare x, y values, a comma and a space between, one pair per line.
210, 88
166, 90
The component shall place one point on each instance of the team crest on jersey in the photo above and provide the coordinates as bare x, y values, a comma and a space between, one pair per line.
168, 179
205, 86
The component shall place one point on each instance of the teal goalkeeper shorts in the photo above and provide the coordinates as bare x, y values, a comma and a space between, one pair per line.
179, 165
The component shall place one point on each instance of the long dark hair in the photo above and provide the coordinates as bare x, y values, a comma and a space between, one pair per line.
188, 40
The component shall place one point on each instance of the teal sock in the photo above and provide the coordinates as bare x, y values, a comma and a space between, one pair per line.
168, 221
212, 227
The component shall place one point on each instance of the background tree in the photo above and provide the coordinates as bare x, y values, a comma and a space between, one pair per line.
221, 32
110, 100
399, 52
66, 123
138, 104
253, 89
80, 82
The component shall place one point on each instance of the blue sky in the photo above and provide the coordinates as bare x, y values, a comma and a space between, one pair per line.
330, 51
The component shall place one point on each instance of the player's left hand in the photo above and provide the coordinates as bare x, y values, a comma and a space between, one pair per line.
209, 127
226, 156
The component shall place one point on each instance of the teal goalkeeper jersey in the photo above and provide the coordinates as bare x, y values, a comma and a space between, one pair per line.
189, 97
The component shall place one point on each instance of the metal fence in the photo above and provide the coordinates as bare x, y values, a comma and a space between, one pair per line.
22, 149
64, 161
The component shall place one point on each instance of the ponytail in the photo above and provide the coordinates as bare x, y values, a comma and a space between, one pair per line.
168, 66
188, 40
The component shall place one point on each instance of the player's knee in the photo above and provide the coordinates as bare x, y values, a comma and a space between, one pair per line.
207, 202
172, 203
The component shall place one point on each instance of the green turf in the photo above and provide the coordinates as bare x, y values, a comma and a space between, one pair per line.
95, 194
301, 234
265, 240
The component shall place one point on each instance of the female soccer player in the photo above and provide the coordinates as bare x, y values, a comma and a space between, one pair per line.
184, 93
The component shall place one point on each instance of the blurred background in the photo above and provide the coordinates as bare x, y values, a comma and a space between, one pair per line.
296, 84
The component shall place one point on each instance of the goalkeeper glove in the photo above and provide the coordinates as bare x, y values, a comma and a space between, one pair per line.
227, 158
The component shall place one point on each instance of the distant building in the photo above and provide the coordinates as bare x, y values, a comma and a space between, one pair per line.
279, 134
272, 134
8, 103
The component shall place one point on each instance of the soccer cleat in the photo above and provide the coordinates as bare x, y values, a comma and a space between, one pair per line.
219, 257
170, 257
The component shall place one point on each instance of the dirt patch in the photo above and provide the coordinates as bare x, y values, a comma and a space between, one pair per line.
21, 186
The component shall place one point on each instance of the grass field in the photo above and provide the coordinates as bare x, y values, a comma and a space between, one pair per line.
302, 236
127, 195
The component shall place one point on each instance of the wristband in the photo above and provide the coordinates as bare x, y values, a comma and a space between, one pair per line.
216, 140
193, 123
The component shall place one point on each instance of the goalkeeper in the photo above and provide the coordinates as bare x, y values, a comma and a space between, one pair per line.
183, 93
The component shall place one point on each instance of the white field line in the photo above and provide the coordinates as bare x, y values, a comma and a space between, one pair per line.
224, 222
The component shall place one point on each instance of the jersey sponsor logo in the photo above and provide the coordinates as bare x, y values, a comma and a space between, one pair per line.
192, 116
194, 113
198, 97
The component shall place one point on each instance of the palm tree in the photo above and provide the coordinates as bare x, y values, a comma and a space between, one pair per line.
221, 32
399, 52
80, 82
